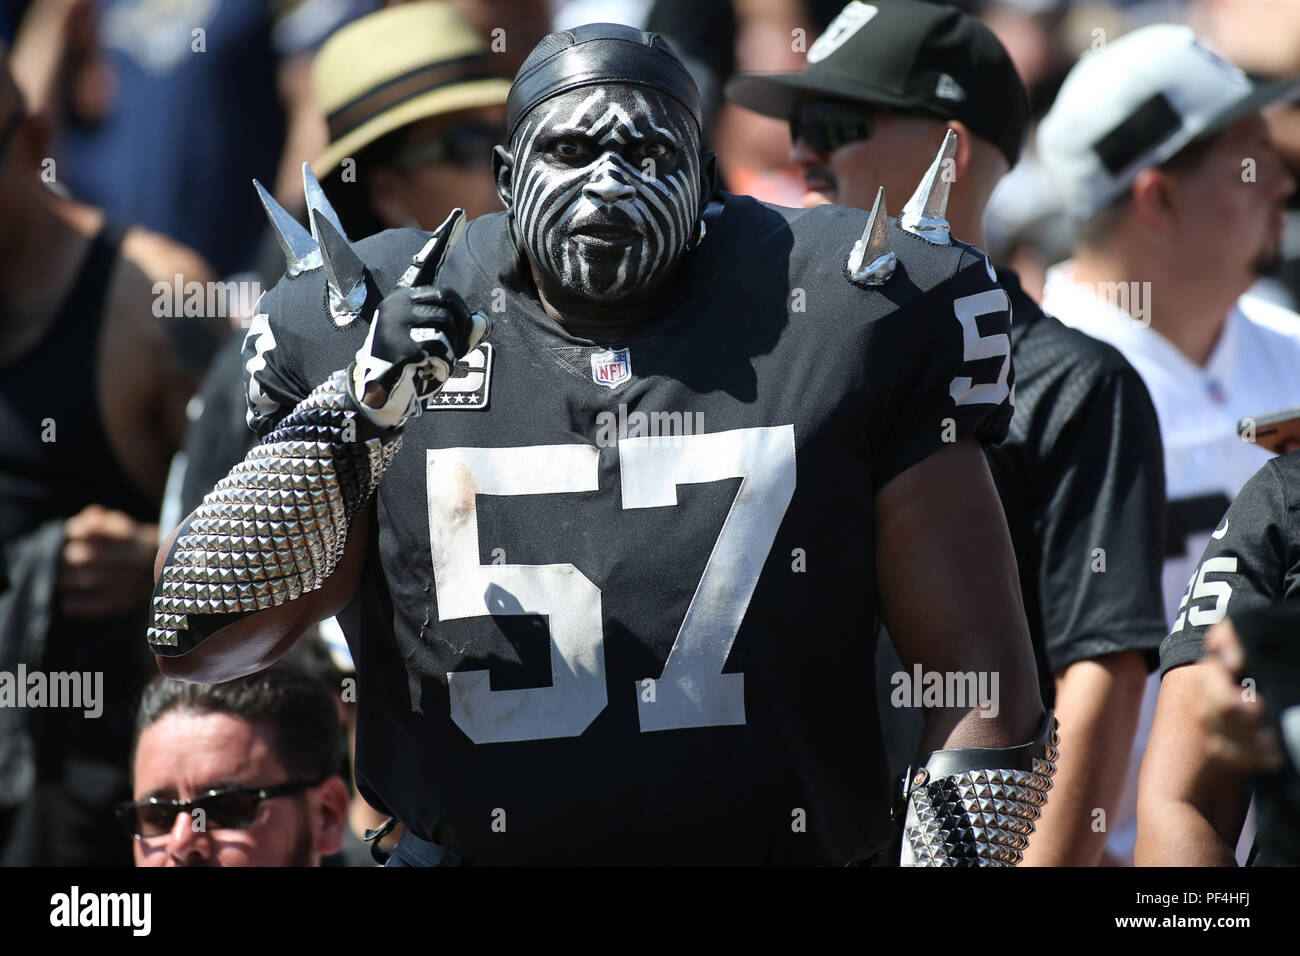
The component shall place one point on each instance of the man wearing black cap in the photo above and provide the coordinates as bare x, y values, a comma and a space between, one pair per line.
880, 81
1080, 475
612, 592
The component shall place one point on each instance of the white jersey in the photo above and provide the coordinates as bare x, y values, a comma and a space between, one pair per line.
1253, 370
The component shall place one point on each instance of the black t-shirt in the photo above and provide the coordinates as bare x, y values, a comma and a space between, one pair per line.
638, 626
1081, 477
1253, 559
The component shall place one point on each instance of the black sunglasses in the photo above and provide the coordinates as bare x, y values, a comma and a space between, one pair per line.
233, 809
825, 125
469, 145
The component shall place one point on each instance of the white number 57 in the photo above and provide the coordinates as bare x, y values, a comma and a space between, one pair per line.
692, 691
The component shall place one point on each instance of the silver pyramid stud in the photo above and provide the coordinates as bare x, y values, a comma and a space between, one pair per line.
872, 262
426, 263
300, 251
345, 273
924, 214
316, 201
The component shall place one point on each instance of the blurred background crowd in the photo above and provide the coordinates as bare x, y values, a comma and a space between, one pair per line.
132, 248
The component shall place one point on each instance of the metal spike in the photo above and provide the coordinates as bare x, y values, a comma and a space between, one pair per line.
345, 273
300, 251
316, 201
426, 263
872, 262
925, 211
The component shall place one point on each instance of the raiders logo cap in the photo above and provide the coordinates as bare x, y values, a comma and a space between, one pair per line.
1136, 103
905, 56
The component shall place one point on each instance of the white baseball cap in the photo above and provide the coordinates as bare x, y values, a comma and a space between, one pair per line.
1134, 104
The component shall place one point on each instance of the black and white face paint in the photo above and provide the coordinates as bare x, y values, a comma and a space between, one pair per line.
606, 189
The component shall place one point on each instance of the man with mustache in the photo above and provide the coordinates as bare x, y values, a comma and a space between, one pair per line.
238, 774
654, 649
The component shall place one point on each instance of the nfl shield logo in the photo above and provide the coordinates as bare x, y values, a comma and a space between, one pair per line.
610, 368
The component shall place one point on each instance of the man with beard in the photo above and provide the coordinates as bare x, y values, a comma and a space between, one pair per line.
1159, 150
237, 774
584, 632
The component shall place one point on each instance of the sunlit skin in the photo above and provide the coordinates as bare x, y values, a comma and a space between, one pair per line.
1229, 220
184, 754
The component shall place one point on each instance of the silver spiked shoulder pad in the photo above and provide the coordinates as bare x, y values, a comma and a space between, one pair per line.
925, 214
871, 261
277, 525
346, 278
977, 807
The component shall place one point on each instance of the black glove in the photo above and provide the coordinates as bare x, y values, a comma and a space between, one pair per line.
415, 340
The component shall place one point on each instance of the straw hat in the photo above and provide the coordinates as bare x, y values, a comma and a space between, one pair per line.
397, 66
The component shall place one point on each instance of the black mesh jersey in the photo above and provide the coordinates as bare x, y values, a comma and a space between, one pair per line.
626, 605
1081, 478
1253, 559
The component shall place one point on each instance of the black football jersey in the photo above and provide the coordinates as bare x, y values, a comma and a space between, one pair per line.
1252, 560
620, 605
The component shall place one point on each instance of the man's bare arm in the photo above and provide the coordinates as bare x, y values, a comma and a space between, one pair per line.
1190, 811
950, 594
1097, 704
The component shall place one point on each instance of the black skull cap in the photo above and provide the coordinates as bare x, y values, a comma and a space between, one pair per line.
599, 53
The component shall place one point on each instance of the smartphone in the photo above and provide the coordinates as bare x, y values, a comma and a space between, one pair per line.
1279, 432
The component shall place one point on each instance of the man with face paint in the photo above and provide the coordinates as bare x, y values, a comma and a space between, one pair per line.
612, 598
609, 199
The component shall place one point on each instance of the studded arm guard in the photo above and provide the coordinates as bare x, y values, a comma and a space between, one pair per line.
277, 525
977, 807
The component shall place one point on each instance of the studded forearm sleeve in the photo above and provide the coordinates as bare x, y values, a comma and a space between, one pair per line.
977, 807
277, 525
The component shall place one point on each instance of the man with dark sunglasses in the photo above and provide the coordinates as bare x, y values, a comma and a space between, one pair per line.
413, 108
237, 774
882, 83
1080, 475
